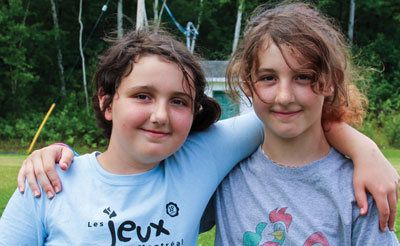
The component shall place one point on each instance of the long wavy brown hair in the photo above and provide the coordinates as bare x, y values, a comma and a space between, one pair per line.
314, 40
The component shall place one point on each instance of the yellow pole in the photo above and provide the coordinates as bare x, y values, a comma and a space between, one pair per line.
40, 128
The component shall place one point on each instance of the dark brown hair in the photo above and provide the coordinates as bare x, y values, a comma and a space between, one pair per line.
314, 39
118, 61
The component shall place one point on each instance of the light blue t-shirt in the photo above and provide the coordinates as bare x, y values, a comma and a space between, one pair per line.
157, 208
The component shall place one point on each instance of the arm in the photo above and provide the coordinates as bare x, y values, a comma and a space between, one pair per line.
372, 171
22, 221
40, 165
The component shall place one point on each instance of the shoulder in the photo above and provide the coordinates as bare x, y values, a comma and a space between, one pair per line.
80, 165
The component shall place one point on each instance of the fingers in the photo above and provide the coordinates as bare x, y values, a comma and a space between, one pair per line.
384, 211
361, 197
393, 209
67, 155
40, 174
30, 176
50, 182
21, 178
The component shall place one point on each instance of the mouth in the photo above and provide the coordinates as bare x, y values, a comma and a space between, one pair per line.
286, 114
156, 133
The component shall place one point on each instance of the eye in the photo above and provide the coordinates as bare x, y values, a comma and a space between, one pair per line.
178, 101
142, 96
267, 78
304, 78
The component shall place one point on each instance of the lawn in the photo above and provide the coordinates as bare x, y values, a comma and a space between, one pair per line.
10, 163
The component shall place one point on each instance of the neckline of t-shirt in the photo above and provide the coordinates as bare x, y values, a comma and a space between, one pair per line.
122, 180
302, 171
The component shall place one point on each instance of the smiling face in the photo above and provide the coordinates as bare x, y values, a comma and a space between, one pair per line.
283, 99
151, 114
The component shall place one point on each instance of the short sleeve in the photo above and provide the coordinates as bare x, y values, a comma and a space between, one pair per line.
365, 229
20, 223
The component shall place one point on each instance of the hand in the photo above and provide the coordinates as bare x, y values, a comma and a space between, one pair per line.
40, 165
379, 177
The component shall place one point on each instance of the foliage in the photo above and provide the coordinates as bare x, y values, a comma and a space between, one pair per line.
69, 123
30, 80
384, 126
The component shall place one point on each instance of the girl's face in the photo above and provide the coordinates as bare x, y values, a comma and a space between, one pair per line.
284, 101
151, 113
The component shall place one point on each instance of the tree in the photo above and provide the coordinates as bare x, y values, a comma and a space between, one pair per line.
141, 18
238, 24
83, 56
351, 20
57, 40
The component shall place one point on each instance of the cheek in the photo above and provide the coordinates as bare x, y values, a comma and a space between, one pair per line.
265, 95
183, 121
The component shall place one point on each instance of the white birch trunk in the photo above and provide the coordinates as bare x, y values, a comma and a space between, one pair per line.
140, 14
82, 56
57, 40
155, 11
120, 30
351, 20
237, 26
198, 25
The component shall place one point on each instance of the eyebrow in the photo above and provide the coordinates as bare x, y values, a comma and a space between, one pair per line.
263, 70
153, 89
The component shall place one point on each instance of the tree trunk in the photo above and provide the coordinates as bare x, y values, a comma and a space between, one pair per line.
158, 14
155, 11
57, 40
120, 30
141, 18
82, 56
198, 25
237, 26
351, 20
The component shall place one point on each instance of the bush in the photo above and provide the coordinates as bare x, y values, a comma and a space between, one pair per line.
69, 123
384, 126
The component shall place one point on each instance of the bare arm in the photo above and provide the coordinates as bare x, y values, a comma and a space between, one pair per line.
372, 172
40, 165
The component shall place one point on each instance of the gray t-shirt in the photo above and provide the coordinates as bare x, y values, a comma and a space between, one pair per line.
262, 203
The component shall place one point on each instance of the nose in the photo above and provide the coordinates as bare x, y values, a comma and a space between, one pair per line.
284, 94
159, 114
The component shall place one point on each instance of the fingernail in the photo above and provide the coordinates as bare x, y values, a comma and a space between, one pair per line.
362, 211
50, 194
36, 193
21, 190
57, 189
64, 165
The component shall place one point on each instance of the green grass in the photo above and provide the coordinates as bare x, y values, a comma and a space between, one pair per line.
393, 155
10, 163
9, 166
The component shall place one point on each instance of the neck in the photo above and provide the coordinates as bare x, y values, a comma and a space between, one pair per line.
117, 161
298, 151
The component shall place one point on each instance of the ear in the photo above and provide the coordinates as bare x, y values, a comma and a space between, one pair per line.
102, 99
247, 90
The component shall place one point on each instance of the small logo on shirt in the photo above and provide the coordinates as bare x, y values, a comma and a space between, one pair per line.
172, 209
110, 214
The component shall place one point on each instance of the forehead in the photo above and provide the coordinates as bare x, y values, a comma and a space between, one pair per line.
270, 53
158, 72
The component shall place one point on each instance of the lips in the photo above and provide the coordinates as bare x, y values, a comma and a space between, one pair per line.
286, 114
155, 133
